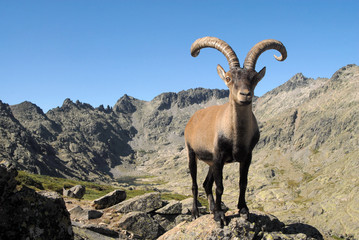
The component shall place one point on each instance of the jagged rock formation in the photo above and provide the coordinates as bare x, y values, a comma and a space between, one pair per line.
160, 121
309, 141
25, 150
26, 214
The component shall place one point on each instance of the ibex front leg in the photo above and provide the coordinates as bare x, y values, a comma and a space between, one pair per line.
243, 180
218, 179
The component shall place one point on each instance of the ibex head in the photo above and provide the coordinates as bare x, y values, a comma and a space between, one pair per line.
240, 81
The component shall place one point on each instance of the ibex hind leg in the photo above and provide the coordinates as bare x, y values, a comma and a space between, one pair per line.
207, 185
192, 163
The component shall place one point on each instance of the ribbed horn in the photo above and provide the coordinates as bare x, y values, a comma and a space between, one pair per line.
218, 44
259, 48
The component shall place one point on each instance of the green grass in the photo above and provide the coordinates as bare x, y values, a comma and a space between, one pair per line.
180, 197
307, 177
139, 180
43, 182
93, 190
337, 238
292, 184
136, 192
314, 150
174, 196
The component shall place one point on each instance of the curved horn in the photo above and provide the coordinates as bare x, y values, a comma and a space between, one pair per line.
218, 44
259, 48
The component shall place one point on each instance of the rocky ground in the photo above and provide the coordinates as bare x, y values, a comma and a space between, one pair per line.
27, 214
149, 217
173, 221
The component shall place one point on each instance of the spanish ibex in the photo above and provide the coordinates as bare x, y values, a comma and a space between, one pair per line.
227, 133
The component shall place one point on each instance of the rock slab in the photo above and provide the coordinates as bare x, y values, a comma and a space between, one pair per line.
77, 191
85, 214
110, 199
173, 207
140, 224
146, 203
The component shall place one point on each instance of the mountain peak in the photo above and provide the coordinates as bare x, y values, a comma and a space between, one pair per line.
27, 106
69, 104
297, 81
5, 110
125, 104
298, 77
337, 76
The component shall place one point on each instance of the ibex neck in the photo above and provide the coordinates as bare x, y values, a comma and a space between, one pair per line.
242, 117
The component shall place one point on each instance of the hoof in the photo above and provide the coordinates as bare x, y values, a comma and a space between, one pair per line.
244, 213
195, 213
220, 218
211, 203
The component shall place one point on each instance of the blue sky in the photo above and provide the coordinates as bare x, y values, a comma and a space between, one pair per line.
97, 51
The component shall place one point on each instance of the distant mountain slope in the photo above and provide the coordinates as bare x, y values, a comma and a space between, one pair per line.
311, 148
162, 120
304, 167
86, 141
27, 152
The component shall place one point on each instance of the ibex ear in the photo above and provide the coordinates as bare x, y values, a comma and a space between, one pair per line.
221, 72
261, 74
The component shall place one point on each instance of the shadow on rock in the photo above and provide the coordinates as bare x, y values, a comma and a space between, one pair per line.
308, 230
257, 226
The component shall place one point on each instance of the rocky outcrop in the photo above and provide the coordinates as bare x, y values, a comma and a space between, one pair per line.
168, 222
26, 214
145, 203
148, 216
77, 191
110, 199
173, 207
140, 224
88, 233
187, 206
95, 232
84, 214
7, 180
258, 226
